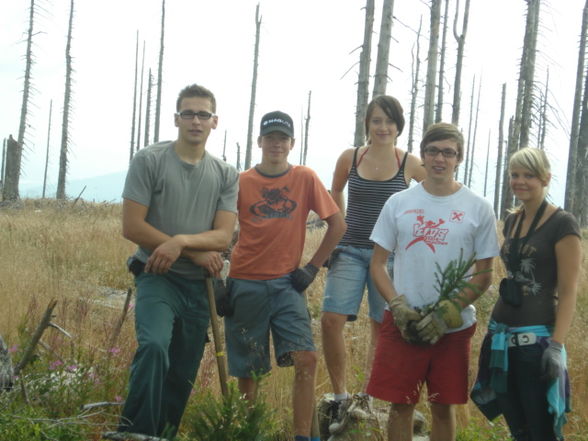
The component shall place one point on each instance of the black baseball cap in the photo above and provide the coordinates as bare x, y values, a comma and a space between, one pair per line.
276, 122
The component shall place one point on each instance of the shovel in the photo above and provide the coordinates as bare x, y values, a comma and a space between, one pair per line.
218, 346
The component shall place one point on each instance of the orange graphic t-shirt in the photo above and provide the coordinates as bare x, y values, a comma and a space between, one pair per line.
272, 219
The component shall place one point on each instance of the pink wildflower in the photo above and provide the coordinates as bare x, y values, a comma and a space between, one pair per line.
55, 364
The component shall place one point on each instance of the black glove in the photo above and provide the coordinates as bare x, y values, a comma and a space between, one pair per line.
551, 361
302, 277
222, 298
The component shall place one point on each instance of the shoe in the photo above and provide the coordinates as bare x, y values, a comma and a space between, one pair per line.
338, 415
358, 407
364, 402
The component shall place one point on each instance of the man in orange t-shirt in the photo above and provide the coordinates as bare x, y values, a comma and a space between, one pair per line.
266, 281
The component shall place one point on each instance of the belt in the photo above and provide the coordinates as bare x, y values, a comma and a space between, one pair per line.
522, 339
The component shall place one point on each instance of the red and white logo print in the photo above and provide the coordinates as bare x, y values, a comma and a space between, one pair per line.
428, 232
456, 216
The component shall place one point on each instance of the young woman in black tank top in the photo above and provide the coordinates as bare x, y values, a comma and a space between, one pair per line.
374, 172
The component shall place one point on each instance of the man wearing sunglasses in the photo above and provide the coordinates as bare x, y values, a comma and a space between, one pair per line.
425, 339
179, 207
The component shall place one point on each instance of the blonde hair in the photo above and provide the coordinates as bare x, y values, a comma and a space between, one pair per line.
532, 159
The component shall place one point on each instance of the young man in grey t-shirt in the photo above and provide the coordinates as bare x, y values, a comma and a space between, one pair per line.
179, 207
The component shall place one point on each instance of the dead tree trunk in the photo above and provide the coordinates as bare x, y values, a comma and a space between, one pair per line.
381, 76
66, 110
499, 161
10, 174
3, 168
10, 189
225, 147
364, 75
460, 38
134, 117
521, 123
507, 196
469, 142
529, 77
238, 164
159, 75
139, 114
573, 153
487, 162
543, 120
475, 135
414, 90
253, 90
439, 107
580, 207
47, 152
429, 108
148, 108
301, 156
306, 126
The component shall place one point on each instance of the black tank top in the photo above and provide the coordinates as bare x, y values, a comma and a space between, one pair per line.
365, 199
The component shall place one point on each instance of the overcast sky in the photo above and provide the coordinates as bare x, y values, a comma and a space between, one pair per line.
306, 45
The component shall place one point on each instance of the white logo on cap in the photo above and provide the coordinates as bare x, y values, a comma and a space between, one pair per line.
276, 120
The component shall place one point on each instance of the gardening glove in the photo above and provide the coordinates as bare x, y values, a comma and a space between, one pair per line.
446, 315
551, 361
404, 315
222, 299
302, 277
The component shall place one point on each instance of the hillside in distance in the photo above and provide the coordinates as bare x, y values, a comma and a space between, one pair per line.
104, 188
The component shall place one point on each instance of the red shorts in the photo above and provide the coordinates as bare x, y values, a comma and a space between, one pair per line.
400, 369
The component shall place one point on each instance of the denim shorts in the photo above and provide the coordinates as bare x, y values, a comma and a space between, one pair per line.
347, 279
262, 306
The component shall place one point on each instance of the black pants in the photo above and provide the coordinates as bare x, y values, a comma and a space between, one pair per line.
524, 404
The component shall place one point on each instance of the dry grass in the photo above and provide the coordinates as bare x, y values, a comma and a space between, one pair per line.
68, 252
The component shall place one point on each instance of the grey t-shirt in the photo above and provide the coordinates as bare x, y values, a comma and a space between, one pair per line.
181, 198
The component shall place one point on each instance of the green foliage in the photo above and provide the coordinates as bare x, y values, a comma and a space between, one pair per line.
475, 431
452, 280
229, 418
59, 387
31, 424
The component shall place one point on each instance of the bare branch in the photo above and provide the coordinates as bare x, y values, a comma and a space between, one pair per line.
28, 353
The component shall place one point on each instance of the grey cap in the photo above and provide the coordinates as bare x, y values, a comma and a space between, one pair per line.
276, 122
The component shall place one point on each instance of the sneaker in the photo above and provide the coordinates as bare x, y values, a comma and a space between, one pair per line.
359, 405
364, 402
338, 415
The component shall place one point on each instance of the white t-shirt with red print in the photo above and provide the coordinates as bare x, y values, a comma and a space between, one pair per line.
423, 230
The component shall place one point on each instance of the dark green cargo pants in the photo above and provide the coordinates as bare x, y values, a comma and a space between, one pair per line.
171, 321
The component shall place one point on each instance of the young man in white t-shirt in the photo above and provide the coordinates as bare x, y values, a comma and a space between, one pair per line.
432, 223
